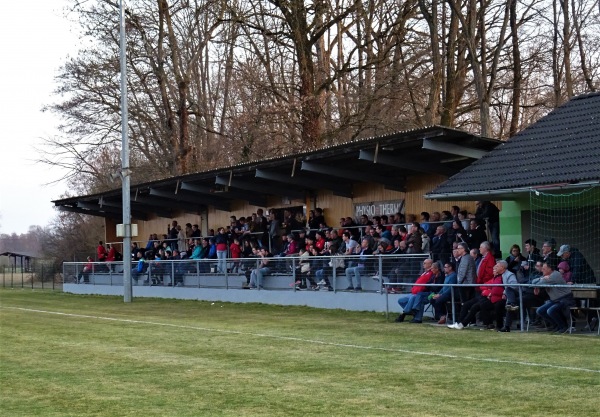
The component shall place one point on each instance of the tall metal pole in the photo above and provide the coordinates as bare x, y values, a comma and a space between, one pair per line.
125, 174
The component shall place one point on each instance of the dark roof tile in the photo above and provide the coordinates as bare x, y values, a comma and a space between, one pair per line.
562, 147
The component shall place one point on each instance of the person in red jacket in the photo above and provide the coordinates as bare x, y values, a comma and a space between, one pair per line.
236, 253
487, 301
101, 252
485, 269
412, 304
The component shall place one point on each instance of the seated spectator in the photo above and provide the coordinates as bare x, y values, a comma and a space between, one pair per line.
581, 272
556, 309
565, 271
141, 267
304, 270
439, 300
84, 275
263, 269
413, 304
509, 279
549, 254
489, 300
353, 273
516, 260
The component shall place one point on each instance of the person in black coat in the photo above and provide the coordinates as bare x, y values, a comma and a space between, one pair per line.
440, 247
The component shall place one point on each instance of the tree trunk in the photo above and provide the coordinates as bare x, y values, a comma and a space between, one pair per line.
516, 89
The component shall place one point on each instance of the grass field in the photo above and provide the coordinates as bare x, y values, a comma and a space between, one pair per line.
67, 355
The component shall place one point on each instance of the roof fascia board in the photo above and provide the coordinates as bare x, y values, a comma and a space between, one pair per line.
89, 212
504, 193
453, 149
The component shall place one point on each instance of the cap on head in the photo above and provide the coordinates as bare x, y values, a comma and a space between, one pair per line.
563, 249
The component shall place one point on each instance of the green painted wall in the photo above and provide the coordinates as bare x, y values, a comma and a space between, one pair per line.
511, 225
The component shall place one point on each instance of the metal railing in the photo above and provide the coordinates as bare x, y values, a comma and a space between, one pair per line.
396, 268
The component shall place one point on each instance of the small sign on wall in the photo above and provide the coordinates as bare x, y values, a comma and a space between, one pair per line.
378, 208
121, 230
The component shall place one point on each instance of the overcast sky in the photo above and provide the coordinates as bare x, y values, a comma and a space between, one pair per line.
36, 39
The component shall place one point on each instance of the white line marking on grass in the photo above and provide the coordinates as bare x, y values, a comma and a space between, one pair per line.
316, 342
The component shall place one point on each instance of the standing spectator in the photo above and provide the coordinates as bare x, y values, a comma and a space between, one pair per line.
476, 233
485, 269
466, 272
181, 239
196, 233
221, 246
488, 212
533, 255
172, 234
101, 252
236, 253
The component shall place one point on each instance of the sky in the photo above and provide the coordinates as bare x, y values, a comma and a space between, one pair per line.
36, 39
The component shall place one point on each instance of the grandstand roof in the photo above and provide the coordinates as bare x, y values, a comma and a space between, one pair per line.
561, 150
387, 160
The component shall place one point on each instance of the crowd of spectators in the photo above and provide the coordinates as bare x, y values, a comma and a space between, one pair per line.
461, 246
493, 297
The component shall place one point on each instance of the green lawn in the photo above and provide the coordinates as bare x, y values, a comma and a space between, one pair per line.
152, 357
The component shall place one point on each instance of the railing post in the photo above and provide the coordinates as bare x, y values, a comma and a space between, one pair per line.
453, 304
521, 313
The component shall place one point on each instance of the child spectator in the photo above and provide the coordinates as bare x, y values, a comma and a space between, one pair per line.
565, 270
236, 253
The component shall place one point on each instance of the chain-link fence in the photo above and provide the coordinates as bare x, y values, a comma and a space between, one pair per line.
39, 276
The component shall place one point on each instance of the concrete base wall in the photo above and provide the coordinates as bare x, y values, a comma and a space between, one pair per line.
365, 301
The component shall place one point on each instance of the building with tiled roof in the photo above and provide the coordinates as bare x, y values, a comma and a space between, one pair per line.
559, 155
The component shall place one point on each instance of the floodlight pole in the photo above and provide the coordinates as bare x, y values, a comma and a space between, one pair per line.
125, 173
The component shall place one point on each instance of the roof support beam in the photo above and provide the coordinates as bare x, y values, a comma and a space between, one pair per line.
339, 189
453, 149
167, 204
188, 198
252, 198
146, 208
404, 163
258, 188
110, 209
398, 185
